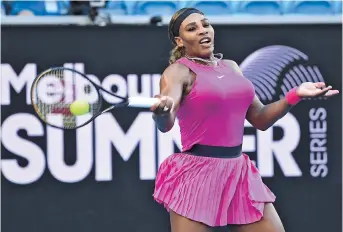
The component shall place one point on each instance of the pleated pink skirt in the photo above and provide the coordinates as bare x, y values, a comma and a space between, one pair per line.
214, 191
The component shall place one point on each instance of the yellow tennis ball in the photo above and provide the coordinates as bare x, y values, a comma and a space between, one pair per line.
79, 107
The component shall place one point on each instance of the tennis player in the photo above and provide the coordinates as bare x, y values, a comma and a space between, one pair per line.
211, 183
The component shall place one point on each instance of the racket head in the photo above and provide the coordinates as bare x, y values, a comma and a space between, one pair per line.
55, 89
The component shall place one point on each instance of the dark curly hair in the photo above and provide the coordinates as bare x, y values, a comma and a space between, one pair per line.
177, 52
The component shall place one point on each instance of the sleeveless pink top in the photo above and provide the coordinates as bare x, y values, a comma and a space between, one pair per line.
213, 113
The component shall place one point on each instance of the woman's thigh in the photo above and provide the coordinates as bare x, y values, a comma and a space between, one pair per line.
270, 222
182, 224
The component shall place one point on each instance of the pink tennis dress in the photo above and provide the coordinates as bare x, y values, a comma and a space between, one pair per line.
214, 191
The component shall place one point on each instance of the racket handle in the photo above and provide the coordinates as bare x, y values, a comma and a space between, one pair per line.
142, 102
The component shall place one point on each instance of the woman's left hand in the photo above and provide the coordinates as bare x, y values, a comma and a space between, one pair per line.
317, 89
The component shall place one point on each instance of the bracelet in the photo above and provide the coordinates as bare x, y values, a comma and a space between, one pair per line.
292, 97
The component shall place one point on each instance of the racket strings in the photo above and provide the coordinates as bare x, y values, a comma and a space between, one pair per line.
60, 108
67, 85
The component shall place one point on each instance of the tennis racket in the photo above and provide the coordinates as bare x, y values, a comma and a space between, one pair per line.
56, 89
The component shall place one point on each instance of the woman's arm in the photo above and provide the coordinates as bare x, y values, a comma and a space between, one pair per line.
264, 116
172, 83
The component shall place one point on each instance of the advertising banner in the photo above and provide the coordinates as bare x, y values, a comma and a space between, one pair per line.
101, 177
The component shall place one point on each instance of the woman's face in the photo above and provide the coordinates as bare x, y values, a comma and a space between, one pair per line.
197, 36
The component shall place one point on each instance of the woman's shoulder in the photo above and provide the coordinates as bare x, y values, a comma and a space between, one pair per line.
177, 72
178, 68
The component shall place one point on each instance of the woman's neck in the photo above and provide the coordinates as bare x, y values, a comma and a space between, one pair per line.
210, 61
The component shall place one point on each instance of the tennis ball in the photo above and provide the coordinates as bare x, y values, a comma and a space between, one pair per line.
79, 107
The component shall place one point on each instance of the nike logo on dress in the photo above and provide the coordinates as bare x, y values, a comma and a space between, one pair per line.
220, 77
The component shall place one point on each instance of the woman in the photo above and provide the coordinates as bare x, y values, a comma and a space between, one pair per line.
211, 183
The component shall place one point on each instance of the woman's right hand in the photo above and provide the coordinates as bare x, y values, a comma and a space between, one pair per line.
164, 106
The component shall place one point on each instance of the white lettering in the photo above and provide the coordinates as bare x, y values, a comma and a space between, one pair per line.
28, 150
318, 150
116, 84
109, 132
84, 154
10, 79
133, 87
282, 150
155, 84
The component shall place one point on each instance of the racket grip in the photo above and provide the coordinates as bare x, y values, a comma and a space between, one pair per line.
142, 102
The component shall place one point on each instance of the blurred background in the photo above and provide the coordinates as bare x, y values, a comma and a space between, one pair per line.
101, 177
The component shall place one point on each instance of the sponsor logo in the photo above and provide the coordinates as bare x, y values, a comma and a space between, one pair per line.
274, 70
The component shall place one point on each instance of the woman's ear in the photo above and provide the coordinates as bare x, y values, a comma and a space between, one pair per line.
179, 42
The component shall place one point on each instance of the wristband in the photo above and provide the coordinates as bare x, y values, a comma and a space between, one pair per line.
292, 97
